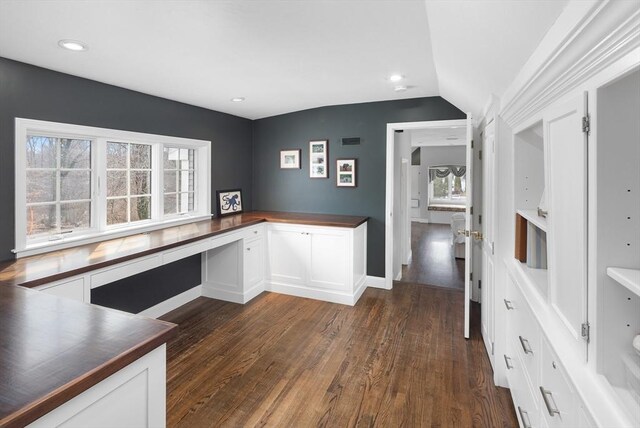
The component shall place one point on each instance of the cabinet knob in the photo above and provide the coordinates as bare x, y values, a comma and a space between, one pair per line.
248, 248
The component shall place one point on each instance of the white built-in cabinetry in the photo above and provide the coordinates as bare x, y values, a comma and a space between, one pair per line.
134, 396
567, 303
327, 263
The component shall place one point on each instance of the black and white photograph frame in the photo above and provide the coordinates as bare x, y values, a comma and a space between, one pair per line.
346, 172
290, 159
229, 202
318, 157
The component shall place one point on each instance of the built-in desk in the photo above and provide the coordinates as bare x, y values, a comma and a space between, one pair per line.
61, 361
59, 357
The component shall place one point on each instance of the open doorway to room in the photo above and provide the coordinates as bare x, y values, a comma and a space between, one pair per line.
438, 175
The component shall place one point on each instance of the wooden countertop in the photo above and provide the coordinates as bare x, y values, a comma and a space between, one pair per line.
55, 265
52, 349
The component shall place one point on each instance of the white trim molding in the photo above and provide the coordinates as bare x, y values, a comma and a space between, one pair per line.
376, 282
172, 303
587, 37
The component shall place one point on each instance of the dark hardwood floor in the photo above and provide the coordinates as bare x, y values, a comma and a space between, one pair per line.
432, 261
397, 358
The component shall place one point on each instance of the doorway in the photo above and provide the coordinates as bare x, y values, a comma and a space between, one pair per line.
439, 201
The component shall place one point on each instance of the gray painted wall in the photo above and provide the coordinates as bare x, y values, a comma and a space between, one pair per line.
37, 93
292, 190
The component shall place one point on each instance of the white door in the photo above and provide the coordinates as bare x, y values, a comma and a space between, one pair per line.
404, 210
329, 248
487, 289
566, 190
468, 260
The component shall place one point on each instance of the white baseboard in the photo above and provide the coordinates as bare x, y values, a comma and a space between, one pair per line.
376, 282
360, 287
209, 289
312, 293
173, 303
398, 276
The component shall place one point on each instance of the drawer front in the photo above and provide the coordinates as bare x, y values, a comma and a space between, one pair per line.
124, 270
73, 289
523, 331
184, 251
525, 403
558, 402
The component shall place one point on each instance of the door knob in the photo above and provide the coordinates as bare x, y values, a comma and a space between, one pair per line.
463, 232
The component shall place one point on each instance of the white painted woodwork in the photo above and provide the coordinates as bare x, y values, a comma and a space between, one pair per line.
560, 395
253, 262
327, 263
487, 291
134, 396
288, 254
566, 151
468, 240
124, 270
71, 289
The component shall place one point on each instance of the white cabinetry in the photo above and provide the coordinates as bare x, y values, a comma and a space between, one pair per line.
233, 267
71, 289
131, 397
327, 263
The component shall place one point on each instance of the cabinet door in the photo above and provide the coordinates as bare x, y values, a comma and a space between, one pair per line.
289, 256
565, 145
253, 263
329, 260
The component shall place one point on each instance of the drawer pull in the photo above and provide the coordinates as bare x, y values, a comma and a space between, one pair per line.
508, 304
248, 248
526, 346
547, 396
507, 362
524, 417
255, 232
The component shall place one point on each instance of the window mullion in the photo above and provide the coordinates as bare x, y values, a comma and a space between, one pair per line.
157, 200
100, 199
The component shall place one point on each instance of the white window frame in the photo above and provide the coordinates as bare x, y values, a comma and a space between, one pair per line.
99, 137
439, 201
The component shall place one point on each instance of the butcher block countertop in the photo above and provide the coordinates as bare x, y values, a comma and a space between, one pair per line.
56, 265
52, 349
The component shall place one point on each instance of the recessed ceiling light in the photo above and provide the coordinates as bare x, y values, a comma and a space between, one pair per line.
72, 45
400, 88
396, 77
237, 99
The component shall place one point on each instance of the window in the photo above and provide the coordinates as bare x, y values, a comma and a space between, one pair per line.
179, 183
447, 185
77, 184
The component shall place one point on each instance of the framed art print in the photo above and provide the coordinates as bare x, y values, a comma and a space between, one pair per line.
229, 202
290, 159
346, 172
318, 156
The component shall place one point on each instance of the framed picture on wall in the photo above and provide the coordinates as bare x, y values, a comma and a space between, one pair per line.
318, 156
229, 202
290, 159
346, 172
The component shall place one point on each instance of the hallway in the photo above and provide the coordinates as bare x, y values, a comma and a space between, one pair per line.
432, 261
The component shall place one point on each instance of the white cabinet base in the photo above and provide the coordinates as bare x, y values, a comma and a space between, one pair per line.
132, 397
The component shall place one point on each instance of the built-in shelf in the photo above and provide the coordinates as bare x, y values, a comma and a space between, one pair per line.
629, 278
538, 277
532, 217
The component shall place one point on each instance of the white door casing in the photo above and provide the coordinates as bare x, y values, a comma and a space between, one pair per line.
468, 249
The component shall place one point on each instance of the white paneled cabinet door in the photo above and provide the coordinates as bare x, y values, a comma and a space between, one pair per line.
289, 254
329, 260
566, 190
253, 263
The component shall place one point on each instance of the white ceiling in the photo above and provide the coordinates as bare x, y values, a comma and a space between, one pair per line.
283, 56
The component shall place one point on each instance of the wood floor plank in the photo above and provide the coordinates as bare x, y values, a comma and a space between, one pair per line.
397, 358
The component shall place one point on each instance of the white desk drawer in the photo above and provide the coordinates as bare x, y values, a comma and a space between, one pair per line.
125, 270
73, 289
184, 251
524, 401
